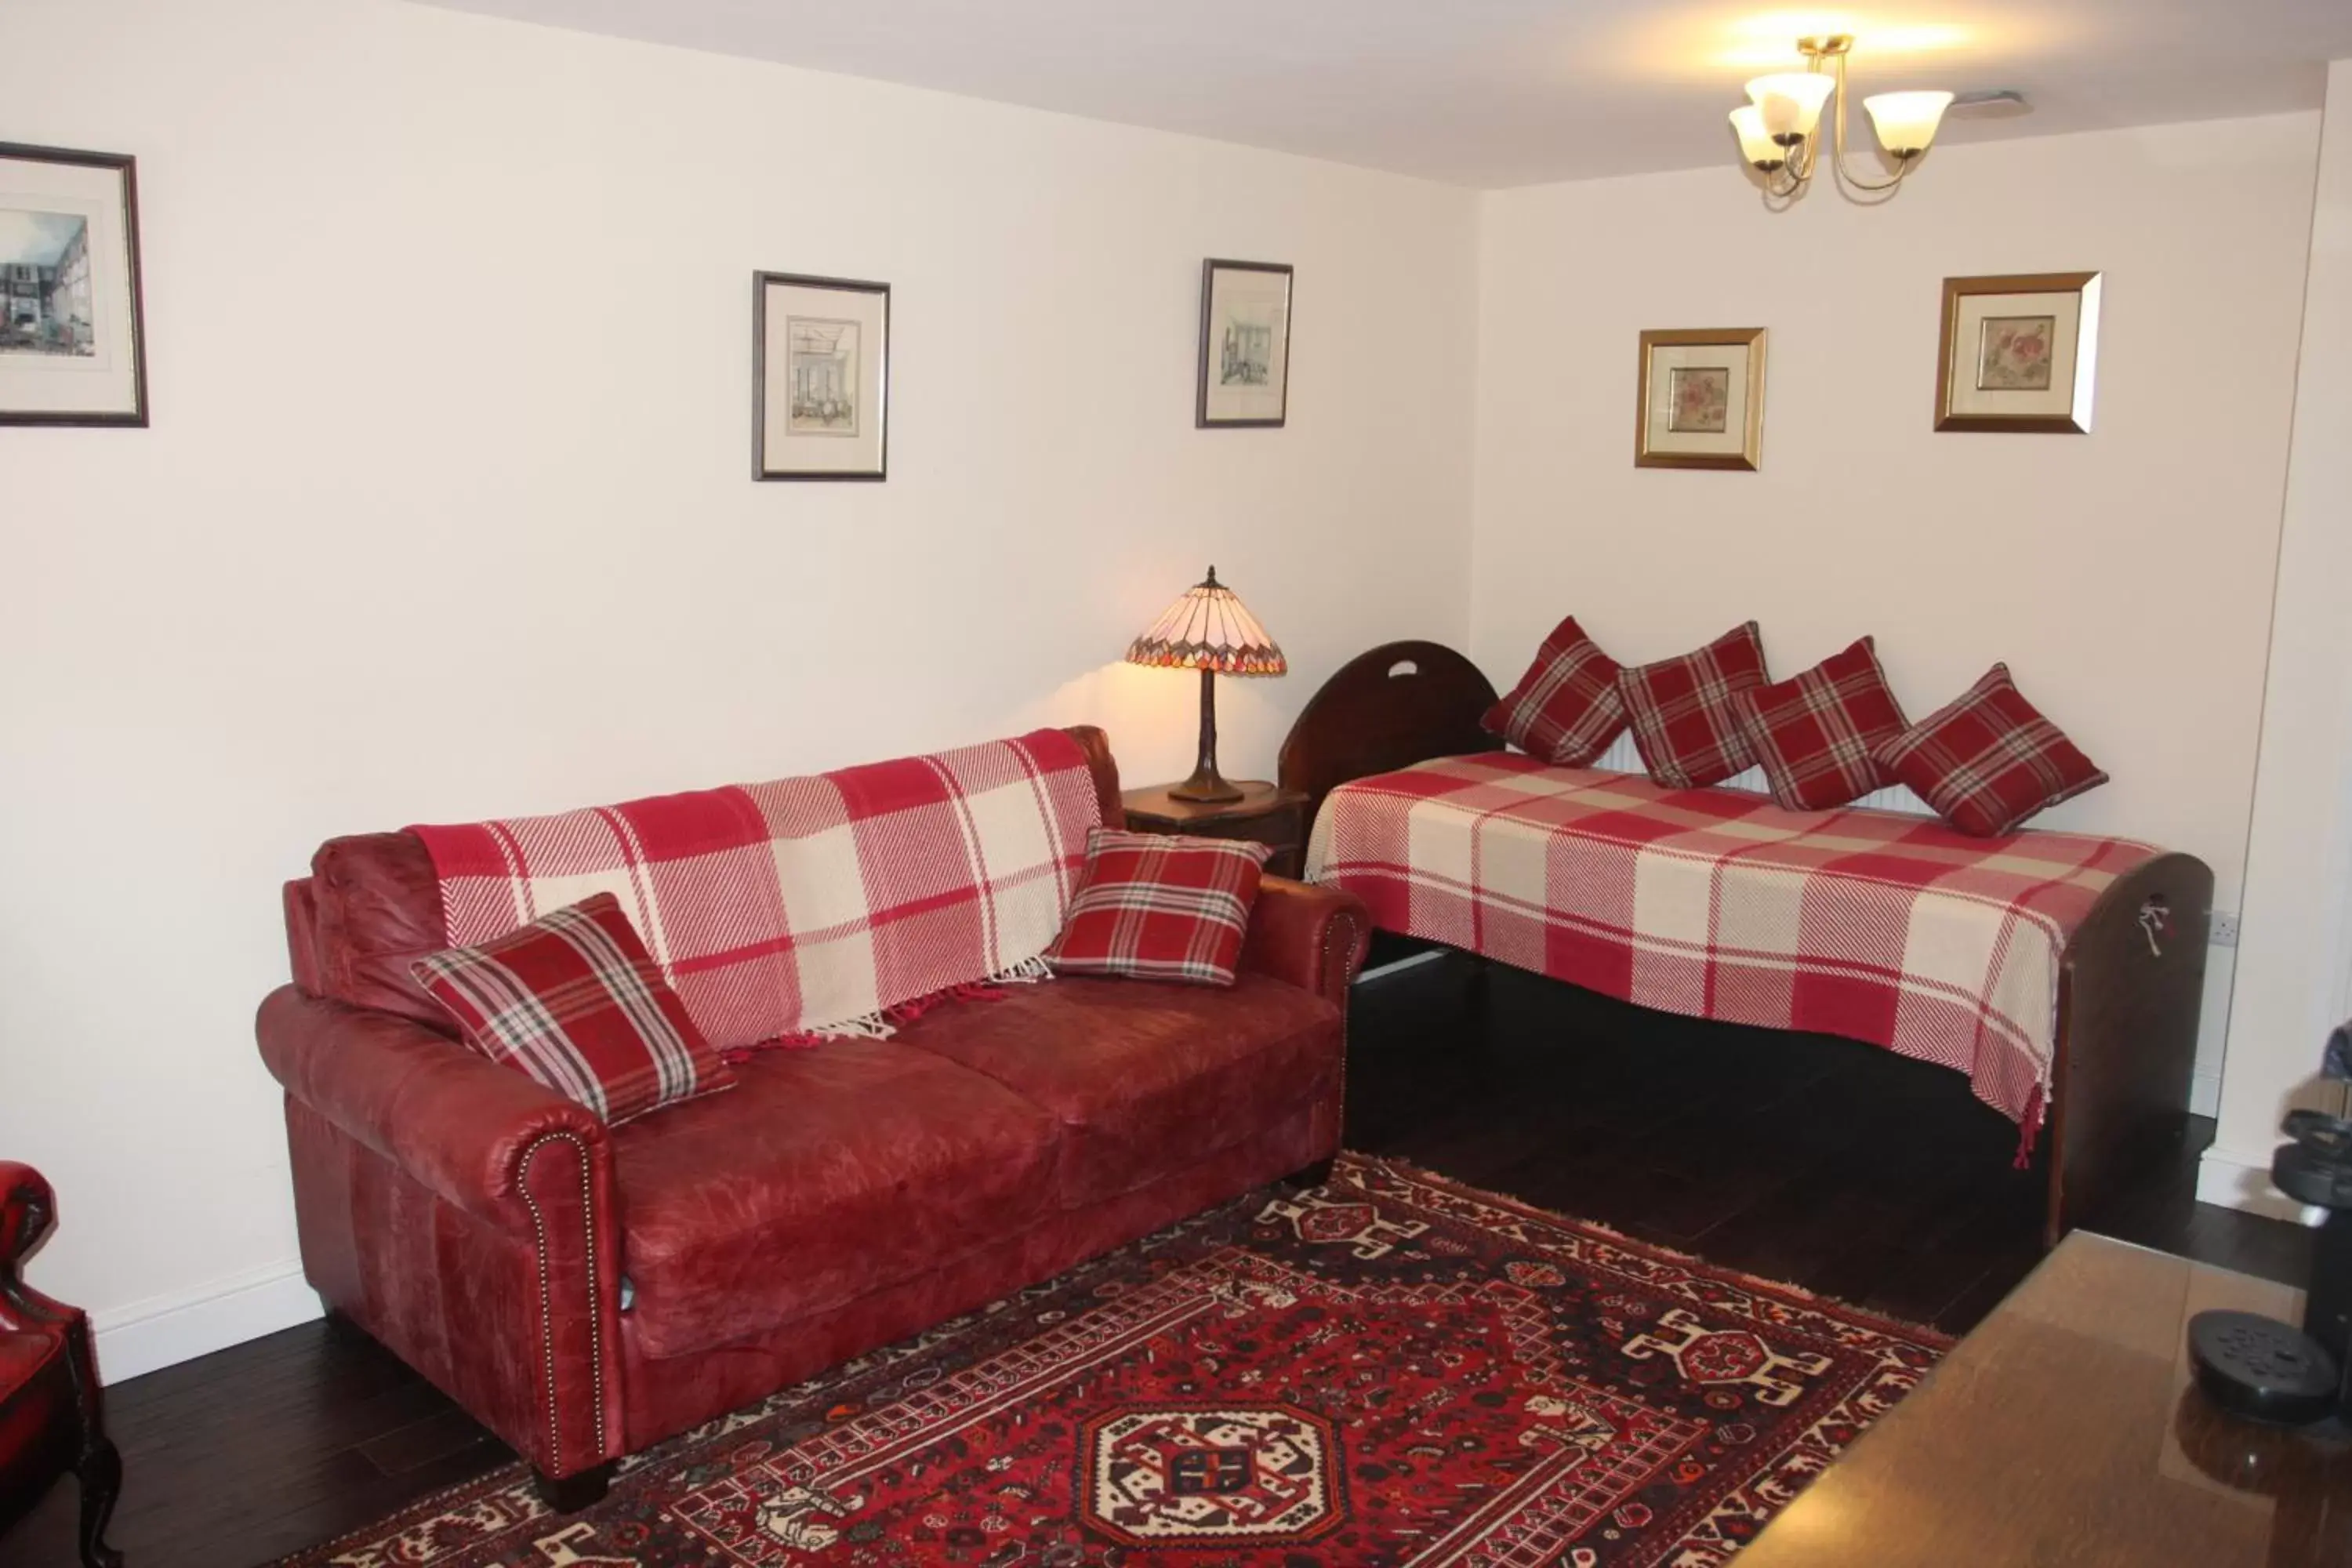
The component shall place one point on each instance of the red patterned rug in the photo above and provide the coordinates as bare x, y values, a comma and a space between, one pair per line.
1391, 1370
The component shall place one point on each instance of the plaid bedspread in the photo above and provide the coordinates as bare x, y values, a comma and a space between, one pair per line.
1716, 903
807, 906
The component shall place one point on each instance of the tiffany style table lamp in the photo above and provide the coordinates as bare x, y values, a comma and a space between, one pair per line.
1208, 629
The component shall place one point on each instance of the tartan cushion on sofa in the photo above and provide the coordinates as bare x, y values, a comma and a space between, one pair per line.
1814, 732
1157, 907
574, 1000
1565, 708
1685, 725
1988, 760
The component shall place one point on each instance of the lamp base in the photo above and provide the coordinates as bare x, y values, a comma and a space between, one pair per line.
1206, 787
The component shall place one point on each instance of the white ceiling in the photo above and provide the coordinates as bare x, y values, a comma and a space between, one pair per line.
1504, 92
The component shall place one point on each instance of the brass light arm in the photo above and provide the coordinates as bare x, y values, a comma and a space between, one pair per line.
1837, 131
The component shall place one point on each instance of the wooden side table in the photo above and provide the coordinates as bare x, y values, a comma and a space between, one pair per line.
1266, 813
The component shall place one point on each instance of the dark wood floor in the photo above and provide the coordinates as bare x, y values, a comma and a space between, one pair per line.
1832, 1165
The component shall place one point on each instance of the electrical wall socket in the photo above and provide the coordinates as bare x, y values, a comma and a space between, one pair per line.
2223, 929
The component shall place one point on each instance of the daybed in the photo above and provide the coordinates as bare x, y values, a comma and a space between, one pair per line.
585, 1290
2062, 973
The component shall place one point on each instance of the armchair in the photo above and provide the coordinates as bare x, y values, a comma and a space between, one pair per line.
50, 1416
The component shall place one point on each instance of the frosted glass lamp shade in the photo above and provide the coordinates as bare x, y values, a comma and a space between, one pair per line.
1790, 103
1907, 121
1209, 628
1756, 143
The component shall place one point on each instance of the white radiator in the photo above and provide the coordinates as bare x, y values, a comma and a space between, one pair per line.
1621, 757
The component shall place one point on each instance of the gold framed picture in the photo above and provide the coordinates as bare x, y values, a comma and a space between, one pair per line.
2019, 354
1701, 399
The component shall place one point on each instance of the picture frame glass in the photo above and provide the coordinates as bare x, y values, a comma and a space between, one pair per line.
1246, 351
1698, 396
2015, 355
69, 348
824, 378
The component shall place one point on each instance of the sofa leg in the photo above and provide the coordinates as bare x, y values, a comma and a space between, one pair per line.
343, 1329
101, 1473
569, 1494
1313, 1175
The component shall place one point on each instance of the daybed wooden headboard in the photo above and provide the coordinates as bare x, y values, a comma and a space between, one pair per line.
1401, 703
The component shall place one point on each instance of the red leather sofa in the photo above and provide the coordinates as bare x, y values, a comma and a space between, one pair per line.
586, 1291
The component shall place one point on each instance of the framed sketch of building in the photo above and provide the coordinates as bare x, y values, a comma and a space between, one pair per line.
1244, 377
71, 348
821, 377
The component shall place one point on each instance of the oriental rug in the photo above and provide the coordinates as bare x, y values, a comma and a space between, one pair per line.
1392, 1371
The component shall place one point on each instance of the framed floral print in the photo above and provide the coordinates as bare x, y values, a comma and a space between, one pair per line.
72, 349
1700, 403
1244, 379
820, 378
2019, 354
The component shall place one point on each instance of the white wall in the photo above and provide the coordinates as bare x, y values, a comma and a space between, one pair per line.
2125, 575
449, 334
2294, 976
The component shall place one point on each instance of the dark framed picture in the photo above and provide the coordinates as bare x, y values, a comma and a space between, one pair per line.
820, 377
1244, 345
1698, 400
2019, 354
72, 350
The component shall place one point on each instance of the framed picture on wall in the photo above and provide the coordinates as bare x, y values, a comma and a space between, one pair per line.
72, 348
1244, 345
821, 377
2019, 354
1699, 402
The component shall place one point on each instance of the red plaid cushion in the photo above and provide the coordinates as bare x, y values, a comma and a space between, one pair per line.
574, 1000
1815, 734
1989, 760
1154, 907
1685, 725
1565, 708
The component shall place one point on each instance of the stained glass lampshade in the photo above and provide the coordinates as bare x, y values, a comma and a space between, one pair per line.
1210, 630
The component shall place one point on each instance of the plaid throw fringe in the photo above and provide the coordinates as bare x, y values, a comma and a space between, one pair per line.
1892, 930
808, 908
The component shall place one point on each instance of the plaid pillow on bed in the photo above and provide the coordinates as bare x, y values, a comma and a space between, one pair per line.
1155, 907
1565, 708
1685, 725
1815, 733
1988, 760
574, 1000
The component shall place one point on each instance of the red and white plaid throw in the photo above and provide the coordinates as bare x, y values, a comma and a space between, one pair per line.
810, 906
1889, 929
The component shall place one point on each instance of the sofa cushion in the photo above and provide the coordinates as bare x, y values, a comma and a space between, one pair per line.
828, 1174
575, 1001
1566, 708
1145, 1078
1154, 906
1987, 759
1814, 732
1685, 725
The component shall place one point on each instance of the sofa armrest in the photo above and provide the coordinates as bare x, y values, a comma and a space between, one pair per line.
27, 1209
1312, 937
525, 1331
456, 1122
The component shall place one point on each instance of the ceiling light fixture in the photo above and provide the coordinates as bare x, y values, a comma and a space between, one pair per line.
1779, 126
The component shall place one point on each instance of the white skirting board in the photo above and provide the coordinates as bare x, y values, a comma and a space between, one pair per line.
2235, 1182
165, 1330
